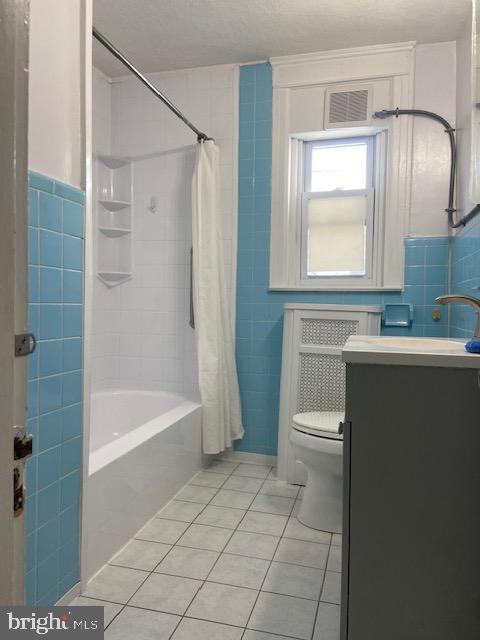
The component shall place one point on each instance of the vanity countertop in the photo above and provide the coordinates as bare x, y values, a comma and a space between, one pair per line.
416, 352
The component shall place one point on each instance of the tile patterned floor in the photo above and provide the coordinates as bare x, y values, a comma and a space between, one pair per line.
226, 560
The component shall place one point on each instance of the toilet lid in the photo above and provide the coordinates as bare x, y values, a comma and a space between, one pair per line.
319, 423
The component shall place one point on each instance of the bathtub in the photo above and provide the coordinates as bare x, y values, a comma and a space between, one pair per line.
144, 446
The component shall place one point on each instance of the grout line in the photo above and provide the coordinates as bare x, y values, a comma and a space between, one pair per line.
269, 567
321, 590
221, 552
213, 567
234, 531
153, 570
237, 586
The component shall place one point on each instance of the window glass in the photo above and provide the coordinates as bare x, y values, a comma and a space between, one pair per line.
337, 236
339, 166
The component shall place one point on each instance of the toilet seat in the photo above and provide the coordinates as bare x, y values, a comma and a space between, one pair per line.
321, 424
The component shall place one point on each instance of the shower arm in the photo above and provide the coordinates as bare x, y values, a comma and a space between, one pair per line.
450, 210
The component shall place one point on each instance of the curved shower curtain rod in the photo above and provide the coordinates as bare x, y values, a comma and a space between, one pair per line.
450, 210
201, 137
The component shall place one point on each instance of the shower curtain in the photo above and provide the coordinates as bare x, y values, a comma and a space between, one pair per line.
218, 382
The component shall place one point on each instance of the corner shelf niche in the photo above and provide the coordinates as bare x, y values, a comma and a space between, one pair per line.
115, 205
114, 232
114, 219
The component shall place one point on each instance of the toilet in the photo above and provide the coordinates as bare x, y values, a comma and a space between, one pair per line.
317, 442
312, 404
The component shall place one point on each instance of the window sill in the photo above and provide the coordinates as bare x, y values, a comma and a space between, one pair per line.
334, 289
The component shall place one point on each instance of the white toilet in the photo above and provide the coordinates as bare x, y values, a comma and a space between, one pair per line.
317, 442
312, 403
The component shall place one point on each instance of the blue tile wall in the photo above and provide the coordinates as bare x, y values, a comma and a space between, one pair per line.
53, 480
259, 311
465, 277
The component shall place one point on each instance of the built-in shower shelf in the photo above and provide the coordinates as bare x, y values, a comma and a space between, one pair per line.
114, 219
114, 232
111, 278
115, 205
114, 162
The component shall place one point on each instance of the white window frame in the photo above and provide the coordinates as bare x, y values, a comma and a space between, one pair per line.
300, 84
307, 194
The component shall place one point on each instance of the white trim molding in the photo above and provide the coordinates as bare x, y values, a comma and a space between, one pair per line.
249, 458
301, 85
88, 260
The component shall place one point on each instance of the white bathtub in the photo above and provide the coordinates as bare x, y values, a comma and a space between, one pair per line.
144, 446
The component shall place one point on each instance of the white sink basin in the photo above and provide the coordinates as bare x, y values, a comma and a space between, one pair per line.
428, 345
422, 352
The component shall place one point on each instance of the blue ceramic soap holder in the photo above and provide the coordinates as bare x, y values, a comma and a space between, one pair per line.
397, 315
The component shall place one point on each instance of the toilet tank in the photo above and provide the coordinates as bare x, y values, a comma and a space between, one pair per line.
313, 375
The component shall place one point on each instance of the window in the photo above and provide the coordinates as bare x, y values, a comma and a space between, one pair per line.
337, 208
340, 178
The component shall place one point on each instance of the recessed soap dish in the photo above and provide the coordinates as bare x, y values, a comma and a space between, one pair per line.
397, 315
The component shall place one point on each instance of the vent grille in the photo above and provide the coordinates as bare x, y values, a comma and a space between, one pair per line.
348, 106
328, 332
322, 383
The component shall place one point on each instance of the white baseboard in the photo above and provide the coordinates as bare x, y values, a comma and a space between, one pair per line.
67, 598
252, 458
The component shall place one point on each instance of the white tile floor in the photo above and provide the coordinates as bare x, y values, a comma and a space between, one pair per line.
226, 560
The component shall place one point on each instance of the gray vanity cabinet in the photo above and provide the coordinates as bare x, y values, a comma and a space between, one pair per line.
411, 547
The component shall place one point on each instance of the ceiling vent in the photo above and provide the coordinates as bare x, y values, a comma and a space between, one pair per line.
347, 107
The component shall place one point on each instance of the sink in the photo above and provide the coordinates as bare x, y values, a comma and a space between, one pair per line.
420, 344
421, 352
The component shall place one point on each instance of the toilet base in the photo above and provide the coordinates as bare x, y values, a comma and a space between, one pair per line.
321, 506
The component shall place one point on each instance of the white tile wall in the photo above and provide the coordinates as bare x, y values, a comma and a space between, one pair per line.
141, 333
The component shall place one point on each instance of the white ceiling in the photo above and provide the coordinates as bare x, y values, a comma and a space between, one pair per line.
158, 35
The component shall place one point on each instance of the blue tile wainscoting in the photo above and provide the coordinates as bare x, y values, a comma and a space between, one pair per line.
55, 316
465, 277
260, 311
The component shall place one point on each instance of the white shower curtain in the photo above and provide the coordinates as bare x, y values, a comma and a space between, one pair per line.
221, 411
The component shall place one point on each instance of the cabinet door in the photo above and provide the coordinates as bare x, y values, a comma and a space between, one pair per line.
412, 522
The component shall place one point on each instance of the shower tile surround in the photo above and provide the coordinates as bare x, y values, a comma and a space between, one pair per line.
205, 571
141, 337
55, 316
260, 311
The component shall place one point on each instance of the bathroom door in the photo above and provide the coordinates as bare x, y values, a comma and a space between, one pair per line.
13, 283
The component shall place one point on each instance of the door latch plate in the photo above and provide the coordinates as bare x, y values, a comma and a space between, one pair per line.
25, 344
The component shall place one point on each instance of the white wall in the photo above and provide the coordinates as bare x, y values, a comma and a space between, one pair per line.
101, 113
142, 334
55, 88
435, 90
464, 119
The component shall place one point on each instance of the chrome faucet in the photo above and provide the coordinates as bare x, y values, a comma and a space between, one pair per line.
461, 299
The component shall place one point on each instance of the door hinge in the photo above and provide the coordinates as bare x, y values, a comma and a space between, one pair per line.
25, 344
18, 493
22, 447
